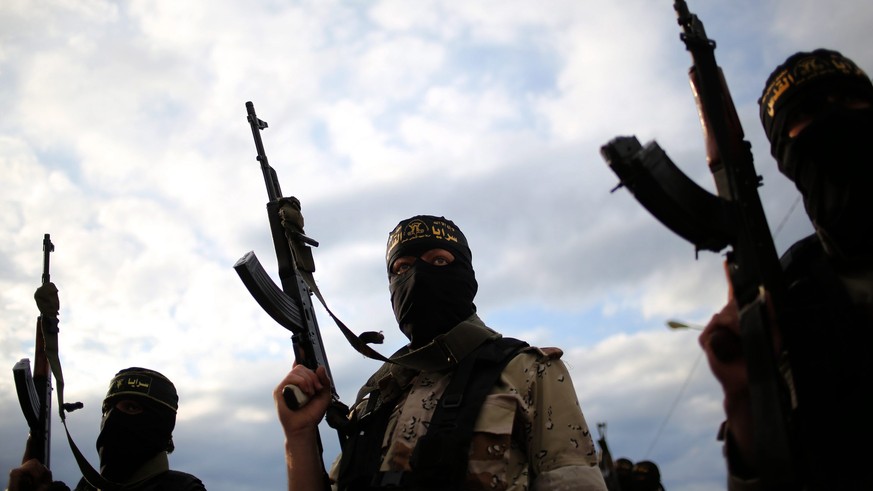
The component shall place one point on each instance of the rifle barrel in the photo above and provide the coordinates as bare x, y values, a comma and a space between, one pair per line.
270, 179
47, 248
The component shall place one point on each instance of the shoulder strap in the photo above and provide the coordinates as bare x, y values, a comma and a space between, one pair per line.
440, 457
460, 403
292, 221
362, 451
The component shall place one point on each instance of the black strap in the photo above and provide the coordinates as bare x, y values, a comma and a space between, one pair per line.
50, 335
440, 458
362, 451
292, 221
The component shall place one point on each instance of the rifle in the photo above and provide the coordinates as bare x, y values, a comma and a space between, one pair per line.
35, 389
607, 464
732, 219
290, 306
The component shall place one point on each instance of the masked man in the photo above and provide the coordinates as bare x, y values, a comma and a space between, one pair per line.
136, 432
817, 111
459, 407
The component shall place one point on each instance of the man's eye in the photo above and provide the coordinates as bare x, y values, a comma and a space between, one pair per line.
129, 407
401, 268
440, 261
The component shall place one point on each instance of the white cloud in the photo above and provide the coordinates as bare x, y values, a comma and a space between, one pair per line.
124, 137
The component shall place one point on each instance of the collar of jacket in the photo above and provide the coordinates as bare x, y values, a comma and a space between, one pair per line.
158, 464
446, 350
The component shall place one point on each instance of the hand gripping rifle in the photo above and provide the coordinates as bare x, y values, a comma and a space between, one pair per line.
291, 304
733, 219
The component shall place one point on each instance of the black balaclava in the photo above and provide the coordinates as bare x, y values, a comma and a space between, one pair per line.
127, 441
829, 160
430, 300
645, 476
623, 469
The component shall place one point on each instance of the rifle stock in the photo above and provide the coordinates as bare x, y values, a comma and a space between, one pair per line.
733, 219
34, 388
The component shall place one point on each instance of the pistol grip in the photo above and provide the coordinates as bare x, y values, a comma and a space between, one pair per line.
294, 397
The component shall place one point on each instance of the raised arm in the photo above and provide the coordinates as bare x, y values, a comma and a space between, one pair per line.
302, 445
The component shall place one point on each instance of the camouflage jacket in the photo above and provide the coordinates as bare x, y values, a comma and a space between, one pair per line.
529, 434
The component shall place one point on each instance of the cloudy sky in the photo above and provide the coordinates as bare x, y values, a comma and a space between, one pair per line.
124, 136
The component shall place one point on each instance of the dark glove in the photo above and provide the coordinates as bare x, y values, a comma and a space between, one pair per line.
47, 300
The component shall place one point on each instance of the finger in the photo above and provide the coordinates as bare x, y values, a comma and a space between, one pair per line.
21, 478
308, 380
301, 377
14, 479
720, 337
726, 346
294, 397
706, 334
322, 378
726, 318
730, 315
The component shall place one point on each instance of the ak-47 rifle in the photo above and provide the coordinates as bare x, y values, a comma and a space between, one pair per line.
291, 305
733, 219
607, 464
35, 389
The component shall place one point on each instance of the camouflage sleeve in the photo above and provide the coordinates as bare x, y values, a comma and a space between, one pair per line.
560, 448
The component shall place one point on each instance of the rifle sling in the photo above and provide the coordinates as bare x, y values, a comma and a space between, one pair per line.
292, 222
357, 342
49, 326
